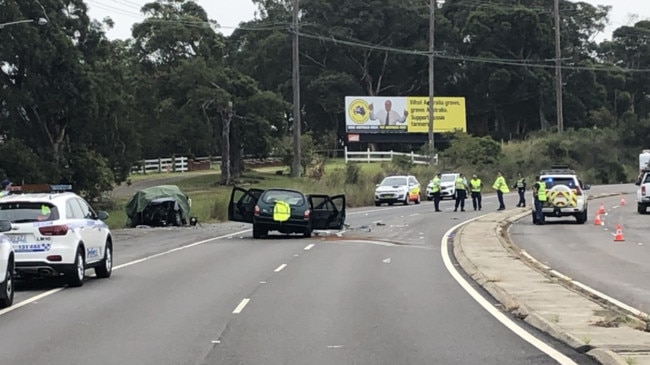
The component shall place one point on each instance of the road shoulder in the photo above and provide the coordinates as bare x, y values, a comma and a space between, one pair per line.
485, 252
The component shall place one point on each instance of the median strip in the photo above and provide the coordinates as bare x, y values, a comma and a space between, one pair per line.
584, 319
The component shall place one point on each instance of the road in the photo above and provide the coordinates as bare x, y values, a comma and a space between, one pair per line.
587, 253
378, 295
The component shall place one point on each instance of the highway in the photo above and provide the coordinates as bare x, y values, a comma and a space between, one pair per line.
380, 294
588, 253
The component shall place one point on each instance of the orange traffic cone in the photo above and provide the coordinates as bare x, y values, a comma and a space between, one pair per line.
598, 221
618, 237
622, 200
601, 210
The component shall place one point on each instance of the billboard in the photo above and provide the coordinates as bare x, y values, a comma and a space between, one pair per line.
403, 114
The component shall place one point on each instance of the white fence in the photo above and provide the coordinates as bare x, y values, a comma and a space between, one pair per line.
170, 164
378, 156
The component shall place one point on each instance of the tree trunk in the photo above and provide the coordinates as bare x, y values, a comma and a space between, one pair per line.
226, 118
236, 155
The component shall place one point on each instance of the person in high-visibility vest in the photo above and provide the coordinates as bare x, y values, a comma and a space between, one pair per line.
460, 186
520, 185
475, 187
539, 193
501, 187
435, 190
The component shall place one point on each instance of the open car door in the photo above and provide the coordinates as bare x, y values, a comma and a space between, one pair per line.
327, 212
242, 204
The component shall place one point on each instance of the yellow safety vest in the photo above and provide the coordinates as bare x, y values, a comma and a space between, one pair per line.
520, 183
436, 185
500, 184
460, 184
476, 185
541, 191
281, 211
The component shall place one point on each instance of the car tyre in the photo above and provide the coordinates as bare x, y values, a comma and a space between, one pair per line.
257, 231
106, 267
377, 204
7, 288
429, 198
406, 200
418, 200
76, 275
642, 209
581, 217
308, 231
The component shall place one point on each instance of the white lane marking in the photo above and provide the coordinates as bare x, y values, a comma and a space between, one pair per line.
334, 347
280, 267
386, 261
309, 247
54, 291
296, 255
215, 342
498, 315
241, 306
262, 282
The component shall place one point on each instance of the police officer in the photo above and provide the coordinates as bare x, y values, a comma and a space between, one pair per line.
460, 186
520, 185
539, 193
475, 186
6, 185
501, 187
436, 192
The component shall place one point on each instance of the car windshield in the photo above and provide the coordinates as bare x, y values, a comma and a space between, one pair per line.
551, 182
448, 178
394, 181
290, 197
25, 212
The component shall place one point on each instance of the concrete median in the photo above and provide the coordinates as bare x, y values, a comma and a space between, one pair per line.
545, 299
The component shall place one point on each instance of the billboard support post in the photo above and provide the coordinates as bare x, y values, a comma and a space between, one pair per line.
431, 79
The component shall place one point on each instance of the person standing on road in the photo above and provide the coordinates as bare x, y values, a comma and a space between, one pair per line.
461, 192
520, 185
539, 194
475, 186
435, 190
501, 187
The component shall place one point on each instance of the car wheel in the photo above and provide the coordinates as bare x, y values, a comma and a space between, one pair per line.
257, 231
642, 209
75, 277
106, 268
429, 198
307, 233
7, 288
406, 200
377, 204
581, 217
417, 201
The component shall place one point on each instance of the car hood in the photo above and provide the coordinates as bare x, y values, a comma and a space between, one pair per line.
445, 184
390, 188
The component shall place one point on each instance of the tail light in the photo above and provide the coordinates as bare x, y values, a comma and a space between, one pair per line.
578, 191
643, 190
307, 214
257, 210
61, 230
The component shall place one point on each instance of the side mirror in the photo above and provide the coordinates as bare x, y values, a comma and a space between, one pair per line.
638, 182
377, 185
102, 215
586, 187
5, 226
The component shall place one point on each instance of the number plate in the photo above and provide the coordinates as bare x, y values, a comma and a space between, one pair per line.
387, 195
17, 238
32, 247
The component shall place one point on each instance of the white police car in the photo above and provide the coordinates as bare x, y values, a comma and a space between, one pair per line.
6, 267
57, 233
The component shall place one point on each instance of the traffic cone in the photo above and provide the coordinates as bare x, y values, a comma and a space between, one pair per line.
618, 237
601, 210
598, 221
622, 200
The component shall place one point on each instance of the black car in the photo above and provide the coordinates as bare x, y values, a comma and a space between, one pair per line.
286, 211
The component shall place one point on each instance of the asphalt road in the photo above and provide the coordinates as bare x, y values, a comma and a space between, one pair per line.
587, 253
378, 295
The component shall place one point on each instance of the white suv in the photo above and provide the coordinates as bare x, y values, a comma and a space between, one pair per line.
398, 189
566, 195
6, 267
643, 192
447, 186
57, 233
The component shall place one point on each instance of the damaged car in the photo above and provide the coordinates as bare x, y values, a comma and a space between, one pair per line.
158, 206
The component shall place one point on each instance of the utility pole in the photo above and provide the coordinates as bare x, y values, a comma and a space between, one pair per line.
297, 153
432, 12
558, 70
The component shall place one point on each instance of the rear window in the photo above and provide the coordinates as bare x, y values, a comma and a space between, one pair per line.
551, 182
26, 212
289, 197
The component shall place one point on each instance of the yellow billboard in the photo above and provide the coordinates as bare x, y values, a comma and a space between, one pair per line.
448, 114
410, 114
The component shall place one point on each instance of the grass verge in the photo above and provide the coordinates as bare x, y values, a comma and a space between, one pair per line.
210, 200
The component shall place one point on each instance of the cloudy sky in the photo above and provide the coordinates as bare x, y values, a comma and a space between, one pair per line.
229, 13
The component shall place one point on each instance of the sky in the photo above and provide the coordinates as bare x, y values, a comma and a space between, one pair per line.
229, 13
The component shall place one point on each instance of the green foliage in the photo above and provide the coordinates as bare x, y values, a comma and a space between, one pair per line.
352, 173
401, 164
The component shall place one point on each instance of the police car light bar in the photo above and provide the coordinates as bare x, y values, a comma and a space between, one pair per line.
61, 187
41, 188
